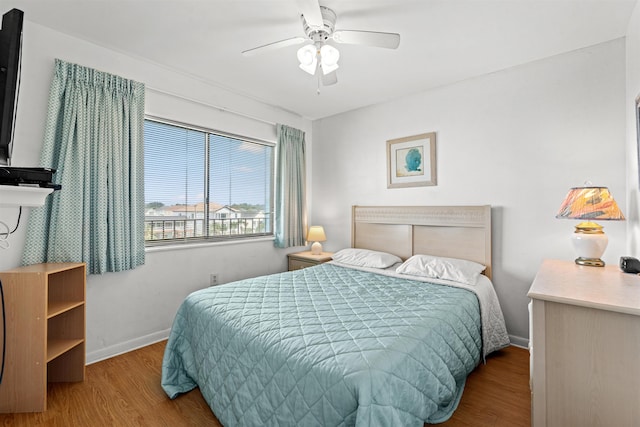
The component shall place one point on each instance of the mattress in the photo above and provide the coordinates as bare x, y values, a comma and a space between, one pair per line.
327, 345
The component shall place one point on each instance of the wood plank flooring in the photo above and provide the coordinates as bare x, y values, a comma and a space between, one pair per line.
125, 391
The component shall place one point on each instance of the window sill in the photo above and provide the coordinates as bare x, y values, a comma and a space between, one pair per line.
182, 246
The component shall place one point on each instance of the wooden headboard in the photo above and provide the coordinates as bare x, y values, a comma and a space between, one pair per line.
449, 231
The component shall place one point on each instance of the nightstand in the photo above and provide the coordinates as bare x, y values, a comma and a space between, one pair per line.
305, 259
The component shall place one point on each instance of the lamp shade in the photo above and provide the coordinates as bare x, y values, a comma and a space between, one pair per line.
329, 58
590, 203
316, 234
308, 57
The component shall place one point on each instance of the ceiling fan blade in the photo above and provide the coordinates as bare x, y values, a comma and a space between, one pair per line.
368, 38
274, 46
310, 9
330, 79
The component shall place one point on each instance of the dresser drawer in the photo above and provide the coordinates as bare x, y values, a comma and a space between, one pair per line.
297, 264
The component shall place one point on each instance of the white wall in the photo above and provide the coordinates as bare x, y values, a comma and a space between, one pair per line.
633, 91
517, 139
506, 139
129, 309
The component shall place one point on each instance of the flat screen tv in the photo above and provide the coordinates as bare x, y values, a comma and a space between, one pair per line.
10, 51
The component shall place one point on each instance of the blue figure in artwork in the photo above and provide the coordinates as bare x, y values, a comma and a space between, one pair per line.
413, 160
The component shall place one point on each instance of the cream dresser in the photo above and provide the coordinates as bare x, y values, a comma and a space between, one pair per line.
585, 345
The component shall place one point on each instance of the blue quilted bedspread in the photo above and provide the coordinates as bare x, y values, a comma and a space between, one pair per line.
325, 346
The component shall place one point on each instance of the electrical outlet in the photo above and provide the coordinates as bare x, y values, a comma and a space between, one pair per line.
213, 279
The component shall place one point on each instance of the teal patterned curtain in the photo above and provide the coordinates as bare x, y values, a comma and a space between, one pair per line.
291, 215
94, 138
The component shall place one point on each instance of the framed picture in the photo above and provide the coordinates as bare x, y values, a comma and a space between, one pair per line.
411, 161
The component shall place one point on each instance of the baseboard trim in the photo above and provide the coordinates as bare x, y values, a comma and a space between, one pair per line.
519, 341
127, 346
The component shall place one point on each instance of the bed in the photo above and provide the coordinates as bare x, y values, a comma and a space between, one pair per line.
353, 341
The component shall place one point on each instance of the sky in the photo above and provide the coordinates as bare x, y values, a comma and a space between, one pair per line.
175, 167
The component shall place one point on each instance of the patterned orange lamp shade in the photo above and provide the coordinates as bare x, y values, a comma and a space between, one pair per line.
589, 203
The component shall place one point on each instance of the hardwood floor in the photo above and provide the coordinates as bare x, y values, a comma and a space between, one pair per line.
497, 393
126, 391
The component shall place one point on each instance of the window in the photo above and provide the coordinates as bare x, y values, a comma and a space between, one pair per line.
203, 184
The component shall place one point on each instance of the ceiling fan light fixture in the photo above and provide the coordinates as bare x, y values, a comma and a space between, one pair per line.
319, 26
308, 57
329, 57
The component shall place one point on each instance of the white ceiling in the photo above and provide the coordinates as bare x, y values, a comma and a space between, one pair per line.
442, 41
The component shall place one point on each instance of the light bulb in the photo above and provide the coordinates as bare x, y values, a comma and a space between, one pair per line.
308, 57
329, 56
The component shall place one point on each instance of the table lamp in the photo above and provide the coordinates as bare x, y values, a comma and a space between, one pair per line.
316, 235
589, 203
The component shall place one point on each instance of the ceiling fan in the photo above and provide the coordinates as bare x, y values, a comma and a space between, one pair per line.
318, 23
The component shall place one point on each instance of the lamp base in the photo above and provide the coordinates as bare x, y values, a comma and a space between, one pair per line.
590, 262
316, 248
589, 243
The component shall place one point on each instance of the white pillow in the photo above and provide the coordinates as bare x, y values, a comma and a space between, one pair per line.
457, 270
365, 258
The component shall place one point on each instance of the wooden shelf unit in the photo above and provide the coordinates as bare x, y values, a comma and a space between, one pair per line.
45, 332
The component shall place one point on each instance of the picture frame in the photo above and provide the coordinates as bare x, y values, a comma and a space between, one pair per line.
411, 161
638, 134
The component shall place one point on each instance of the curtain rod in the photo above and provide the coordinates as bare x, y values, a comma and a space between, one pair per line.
223, 109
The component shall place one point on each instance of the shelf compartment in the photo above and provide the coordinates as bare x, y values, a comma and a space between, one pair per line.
67, 325
58, 308
56, 348
63, 293
68, 366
